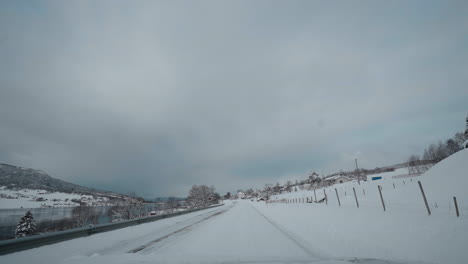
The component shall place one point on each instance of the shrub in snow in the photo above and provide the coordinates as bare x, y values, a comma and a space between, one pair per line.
82, 214
26, 226
132, 210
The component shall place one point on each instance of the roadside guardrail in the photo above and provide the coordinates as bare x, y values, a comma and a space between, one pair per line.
24, 243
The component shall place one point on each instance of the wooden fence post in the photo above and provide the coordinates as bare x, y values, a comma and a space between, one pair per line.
393, 185
381, 197
424, 196
355, 196
337, 197
456, 206
364, 191
326, 198
315, 196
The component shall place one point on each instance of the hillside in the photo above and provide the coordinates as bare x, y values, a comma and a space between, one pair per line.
404, 232
30, 188
14, 177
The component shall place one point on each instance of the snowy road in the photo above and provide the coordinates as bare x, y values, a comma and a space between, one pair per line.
241, 234
235, 233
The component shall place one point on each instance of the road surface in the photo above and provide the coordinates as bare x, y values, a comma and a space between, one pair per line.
234, 233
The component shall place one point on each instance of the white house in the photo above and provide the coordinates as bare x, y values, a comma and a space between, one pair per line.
337, 179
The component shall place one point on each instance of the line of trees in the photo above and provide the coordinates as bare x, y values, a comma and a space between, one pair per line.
131, 210
434, 153
83, 214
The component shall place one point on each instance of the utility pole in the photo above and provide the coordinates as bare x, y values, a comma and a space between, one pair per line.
357, 171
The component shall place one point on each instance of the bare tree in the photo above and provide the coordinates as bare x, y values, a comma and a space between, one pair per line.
132, 209
82, 214
202, 196
249, 192
172, 204
452, 146
416, 165
460, 138
413, 164
288, 186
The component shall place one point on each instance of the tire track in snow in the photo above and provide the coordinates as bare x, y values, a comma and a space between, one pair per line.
294, 238
178, 231
125, 245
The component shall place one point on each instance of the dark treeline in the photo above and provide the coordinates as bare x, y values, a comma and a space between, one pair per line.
436, 152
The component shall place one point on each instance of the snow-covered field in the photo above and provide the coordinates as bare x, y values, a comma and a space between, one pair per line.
398, 236
403, 232
27, 198
257, 232
251, 232
398, 173
441, 183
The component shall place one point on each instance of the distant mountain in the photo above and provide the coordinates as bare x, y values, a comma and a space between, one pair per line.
14, 177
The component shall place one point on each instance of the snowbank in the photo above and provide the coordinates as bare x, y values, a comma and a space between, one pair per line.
447, 179
404, 232
396, 236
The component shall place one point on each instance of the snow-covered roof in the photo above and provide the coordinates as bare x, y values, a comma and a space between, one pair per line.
337, 177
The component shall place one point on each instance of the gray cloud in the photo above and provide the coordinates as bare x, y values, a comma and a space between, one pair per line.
156, 96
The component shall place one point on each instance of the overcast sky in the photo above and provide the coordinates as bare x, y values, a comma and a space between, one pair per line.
155, 96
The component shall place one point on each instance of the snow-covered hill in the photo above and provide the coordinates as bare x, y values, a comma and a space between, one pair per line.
448, 178
441, 183
28, 198
29, 188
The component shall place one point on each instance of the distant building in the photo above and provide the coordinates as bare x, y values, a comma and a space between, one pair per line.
337, 179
